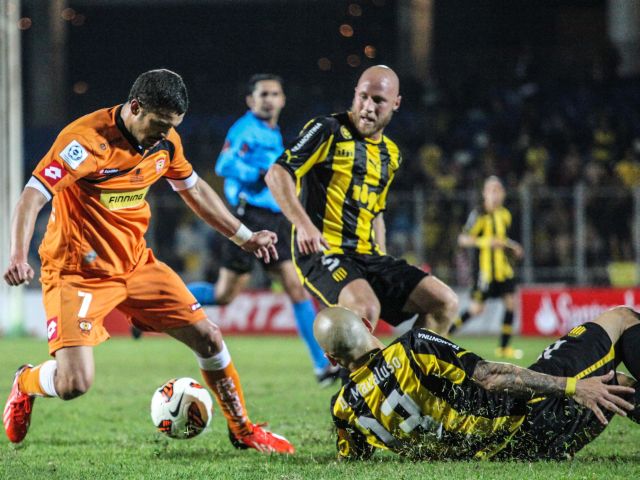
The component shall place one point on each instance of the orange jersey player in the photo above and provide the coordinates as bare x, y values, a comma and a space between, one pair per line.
94, 255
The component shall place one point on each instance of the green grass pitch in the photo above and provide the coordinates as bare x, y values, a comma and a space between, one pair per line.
107, 433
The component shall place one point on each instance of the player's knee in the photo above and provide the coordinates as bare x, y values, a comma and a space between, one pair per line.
210, 341
621, 316
224, 299
72, 386
476, 308
449, 303
368, 310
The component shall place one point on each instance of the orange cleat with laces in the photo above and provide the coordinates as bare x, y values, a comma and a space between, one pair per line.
262, 440
17, 411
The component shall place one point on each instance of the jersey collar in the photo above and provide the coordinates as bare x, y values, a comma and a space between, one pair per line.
125, 133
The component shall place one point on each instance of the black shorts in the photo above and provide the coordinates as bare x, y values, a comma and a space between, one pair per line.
255, 218
557, 427
482, 292
391, 279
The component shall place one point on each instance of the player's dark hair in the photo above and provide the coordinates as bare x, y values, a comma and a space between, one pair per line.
260, 77
161, 90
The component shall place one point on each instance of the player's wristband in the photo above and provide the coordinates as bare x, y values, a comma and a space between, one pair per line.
570, 388
242, 236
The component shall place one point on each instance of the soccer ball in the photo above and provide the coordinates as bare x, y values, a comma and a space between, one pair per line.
181, 408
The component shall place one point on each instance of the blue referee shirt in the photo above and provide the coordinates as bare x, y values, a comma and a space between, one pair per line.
250, 148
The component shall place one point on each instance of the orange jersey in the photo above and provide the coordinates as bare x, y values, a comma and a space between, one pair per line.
98, 177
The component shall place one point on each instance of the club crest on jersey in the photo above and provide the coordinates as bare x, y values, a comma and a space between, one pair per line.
160, 164
85, 326
74, 154
53, 173
346, 134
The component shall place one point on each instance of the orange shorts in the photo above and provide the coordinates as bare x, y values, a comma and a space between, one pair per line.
152, 294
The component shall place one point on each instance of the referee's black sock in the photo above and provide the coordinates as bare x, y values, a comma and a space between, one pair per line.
507, 328
458, 322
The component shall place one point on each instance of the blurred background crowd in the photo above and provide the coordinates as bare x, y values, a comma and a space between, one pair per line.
538, 93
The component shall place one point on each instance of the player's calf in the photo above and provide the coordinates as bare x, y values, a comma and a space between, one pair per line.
626, 321
628, 381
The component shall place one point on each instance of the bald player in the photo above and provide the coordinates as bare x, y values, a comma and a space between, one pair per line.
332, 184
429, 399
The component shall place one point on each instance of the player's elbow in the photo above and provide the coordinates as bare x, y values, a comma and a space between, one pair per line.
271, 178
484, 376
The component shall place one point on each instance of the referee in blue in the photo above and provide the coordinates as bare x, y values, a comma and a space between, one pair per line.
253, 144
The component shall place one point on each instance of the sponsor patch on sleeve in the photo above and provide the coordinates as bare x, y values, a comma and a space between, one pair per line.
307, 137
74, 154
52, 328
53, 173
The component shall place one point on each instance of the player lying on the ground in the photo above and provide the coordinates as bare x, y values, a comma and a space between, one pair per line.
427, 398
94, 255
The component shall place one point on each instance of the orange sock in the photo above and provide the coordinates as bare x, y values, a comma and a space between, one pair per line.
225, 384
29, 381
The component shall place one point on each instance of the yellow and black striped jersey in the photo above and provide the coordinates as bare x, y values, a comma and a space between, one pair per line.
490, 264
342, 180
416, 397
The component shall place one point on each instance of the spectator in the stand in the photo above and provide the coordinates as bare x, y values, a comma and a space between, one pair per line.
628, 169
570, 169
536, 159
604, 141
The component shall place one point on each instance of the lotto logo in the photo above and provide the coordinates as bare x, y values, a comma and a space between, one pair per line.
52, 328
53, 173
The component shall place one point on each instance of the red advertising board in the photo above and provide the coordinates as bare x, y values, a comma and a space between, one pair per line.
555, 311
251, 313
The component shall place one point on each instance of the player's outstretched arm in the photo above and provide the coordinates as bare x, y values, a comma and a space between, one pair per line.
592, 392
208, 205
283, 189
22, 224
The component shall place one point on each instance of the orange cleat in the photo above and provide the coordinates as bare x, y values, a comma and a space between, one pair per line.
17, 411
262, 440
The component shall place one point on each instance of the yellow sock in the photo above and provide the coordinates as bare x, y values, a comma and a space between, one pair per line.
225, 384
